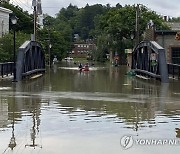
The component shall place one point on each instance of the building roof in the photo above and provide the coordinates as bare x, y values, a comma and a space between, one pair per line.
174, 25
2, 9
166, 32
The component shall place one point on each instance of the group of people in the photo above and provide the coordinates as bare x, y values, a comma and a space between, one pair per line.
83, 68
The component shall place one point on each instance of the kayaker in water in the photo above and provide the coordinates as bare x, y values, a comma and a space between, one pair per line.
80, 65
86, 67
83, 68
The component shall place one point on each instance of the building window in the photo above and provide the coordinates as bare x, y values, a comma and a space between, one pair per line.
175, 55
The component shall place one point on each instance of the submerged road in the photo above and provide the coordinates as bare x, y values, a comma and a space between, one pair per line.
67, 112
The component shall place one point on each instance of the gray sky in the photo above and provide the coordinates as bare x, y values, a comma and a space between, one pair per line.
163, 7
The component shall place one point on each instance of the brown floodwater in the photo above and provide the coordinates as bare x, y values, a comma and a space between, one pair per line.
68, 112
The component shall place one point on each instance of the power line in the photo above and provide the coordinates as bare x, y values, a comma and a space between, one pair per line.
25, 4
25, 15
20, 3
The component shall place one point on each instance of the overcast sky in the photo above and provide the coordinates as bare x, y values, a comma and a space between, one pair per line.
163, 7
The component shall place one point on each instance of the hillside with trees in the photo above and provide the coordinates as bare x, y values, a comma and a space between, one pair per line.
109, 27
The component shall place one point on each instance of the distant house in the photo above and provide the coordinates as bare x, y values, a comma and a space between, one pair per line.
4, 20
167, 39
83, 49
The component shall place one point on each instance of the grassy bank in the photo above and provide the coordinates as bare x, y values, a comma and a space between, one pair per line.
78, 59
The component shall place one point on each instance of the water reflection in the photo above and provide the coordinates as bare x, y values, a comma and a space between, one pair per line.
12, 143
65, 105
17, 103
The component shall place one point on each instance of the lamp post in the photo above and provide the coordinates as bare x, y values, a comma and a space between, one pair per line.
50, 55
132, 38
14, 22
129, 55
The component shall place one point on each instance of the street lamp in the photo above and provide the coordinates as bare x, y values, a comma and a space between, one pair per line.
50, 46
14, 22
132, 38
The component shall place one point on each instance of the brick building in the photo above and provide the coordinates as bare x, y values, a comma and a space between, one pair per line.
167, 39
83, 49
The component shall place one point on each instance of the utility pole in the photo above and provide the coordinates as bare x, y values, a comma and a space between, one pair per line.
34, 4
137, 24
37, 11
49, 45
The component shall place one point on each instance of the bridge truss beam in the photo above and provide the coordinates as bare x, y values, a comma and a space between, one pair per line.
30, 60
149, 60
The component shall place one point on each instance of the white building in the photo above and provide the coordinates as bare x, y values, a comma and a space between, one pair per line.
4, 20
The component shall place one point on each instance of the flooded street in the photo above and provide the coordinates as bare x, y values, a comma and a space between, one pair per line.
68, 112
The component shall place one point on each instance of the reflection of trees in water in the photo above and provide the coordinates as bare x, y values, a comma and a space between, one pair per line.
24, 101
32, 104
12, 143
175, 88
148, 88
152, 96
129, 112
31, 86
35, 129
102, 79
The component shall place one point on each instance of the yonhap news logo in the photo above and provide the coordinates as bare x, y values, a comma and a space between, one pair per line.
127, 141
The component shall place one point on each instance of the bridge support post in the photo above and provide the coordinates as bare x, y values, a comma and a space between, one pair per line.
163, 66
19, 65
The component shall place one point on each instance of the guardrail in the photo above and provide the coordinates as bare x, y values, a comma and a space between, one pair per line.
6, 69
174, 70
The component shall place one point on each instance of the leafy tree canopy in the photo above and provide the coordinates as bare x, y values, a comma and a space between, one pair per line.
110, 27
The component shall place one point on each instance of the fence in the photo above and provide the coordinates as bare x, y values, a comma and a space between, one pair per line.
6, 69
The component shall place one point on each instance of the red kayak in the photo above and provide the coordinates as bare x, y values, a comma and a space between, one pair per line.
84, 69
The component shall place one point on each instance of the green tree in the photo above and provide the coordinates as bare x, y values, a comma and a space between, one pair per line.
174, 19
6, 49
86, 18
57, 40
102, 44
119, 23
